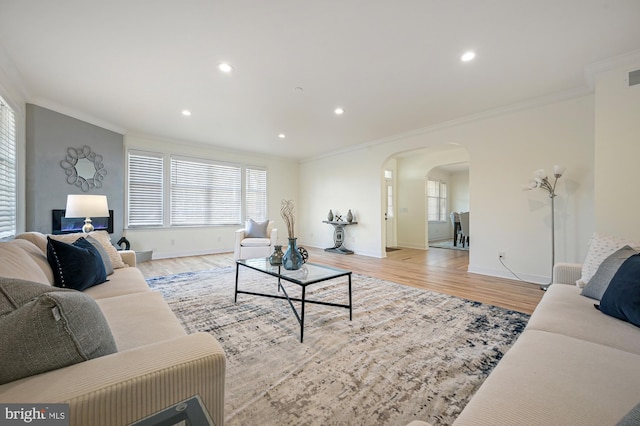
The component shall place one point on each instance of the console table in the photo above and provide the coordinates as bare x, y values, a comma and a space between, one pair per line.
338, 237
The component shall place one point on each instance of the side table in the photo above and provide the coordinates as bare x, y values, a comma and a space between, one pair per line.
338, 237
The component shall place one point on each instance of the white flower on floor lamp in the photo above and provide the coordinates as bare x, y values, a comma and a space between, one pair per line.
540, 180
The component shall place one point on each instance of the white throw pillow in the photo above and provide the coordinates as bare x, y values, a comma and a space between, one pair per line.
600, 247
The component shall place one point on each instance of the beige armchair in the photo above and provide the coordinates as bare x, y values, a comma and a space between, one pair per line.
249, 246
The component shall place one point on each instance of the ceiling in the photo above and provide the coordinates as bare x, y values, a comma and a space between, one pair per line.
394, 66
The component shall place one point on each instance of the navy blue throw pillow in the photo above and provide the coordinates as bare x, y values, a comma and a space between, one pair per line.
622, 297
77, 266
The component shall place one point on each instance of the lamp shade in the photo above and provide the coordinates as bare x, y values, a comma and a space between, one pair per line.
87, 206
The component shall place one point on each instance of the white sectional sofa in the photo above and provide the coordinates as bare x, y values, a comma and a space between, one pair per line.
156, 364
572, 365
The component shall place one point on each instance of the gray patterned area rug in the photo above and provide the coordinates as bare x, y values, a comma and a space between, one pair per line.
408, 353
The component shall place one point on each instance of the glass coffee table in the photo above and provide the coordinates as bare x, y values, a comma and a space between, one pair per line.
309, 274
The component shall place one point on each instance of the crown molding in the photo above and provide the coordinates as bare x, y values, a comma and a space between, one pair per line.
201, 145
577, 92
593, 71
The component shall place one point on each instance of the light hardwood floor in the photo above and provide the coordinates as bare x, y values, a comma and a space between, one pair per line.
440, 270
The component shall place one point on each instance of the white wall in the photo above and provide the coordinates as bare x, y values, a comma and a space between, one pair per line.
617, 148
459, 192
503, 150
352, 181
282, 182
504, 218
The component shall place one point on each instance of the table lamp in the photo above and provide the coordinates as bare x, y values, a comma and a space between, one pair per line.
87, 206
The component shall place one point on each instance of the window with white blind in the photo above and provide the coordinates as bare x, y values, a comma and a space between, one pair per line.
205, 193
255, 193
145, 189
436, 200
8, 194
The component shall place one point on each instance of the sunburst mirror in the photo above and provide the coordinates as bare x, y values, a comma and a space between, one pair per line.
84, 168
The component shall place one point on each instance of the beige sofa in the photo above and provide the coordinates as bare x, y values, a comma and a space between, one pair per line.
573, 365
157, 364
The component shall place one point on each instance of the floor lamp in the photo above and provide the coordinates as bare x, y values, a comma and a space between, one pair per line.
540, 180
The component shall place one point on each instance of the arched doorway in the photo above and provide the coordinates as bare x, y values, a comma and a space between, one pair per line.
447, 192
409, 202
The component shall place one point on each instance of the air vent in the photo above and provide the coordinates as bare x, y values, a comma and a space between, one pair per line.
634, 78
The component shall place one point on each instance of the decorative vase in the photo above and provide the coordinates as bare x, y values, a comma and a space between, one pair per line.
330, 216
349, 216
292, 259
276, 257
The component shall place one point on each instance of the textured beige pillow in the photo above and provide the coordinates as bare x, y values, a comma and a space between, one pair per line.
103, 238
37, 238
601, 246
17, 262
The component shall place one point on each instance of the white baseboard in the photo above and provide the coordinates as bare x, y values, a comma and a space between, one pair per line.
169, 255
501, 273
413, 246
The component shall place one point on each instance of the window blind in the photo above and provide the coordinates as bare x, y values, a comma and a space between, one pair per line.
145, 189
205, 193
436, 200
8, 195
256, 193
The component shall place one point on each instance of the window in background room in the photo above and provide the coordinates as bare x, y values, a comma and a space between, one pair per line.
436, 201
205, 193
8, 172
145, 189
256, 193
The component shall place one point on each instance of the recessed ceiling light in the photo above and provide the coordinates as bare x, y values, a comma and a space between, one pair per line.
224, 67
186, 112
468, 56
282, 135
298, 89
339, 111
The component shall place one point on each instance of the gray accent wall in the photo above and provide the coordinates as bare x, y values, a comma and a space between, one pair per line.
48, 135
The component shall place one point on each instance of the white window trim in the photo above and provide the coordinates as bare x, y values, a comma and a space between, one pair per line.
245, 213
167, 157
10, 147
164, 188
441, 219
